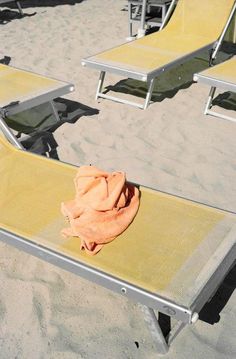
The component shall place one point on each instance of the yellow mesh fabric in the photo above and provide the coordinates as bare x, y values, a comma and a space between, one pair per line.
225, 71
18, 85
164, 236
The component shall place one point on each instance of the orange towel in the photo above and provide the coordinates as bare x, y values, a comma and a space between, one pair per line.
103, 207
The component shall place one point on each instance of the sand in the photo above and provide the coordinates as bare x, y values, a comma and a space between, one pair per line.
46, 312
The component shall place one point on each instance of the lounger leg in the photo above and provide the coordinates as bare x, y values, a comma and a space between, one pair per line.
141, 30
149, 94
209, 100
9, 135
208, 110
175, 331
162, 341
100, 84
152, 321
130, 20
99, 93
19, 8
54, 110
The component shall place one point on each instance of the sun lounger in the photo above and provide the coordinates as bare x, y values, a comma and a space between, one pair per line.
222, 76
195, 25
17, 4
21, 90
171, 259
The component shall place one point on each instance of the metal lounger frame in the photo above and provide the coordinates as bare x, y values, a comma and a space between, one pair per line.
214, 83
149, 301
150, 77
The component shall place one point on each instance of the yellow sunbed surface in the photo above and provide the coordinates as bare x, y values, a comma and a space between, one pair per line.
195, 24
19, 85
225, 72
164, 251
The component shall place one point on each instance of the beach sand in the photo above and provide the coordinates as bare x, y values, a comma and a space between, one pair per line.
46, 312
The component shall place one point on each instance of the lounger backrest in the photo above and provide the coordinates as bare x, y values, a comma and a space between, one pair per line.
205, 18
5, 146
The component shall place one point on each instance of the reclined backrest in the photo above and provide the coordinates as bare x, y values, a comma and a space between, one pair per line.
205, 18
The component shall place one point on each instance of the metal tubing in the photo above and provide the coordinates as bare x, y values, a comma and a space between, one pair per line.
116, 99
155, 329
163, 13
99, 93
215, 82
149, 94
55, 112
210, 98
19, 8
100, 84
223, 33
168, 14
219, 115
175, 331
9, 134
130, 19
143, 15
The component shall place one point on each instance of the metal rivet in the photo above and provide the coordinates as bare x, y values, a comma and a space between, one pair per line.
123, 290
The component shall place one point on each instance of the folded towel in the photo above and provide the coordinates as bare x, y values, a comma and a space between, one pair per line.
103, 207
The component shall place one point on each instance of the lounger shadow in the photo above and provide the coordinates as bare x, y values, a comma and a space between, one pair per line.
167, 85
51, 3
36, 126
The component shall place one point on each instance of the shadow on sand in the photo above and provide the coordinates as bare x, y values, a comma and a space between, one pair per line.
5, 60
226, 100
44, 3
166, 85
210, 313
36, 126
7, 16
10, 14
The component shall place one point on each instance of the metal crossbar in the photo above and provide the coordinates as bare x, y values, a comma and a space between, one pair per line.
208, 107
